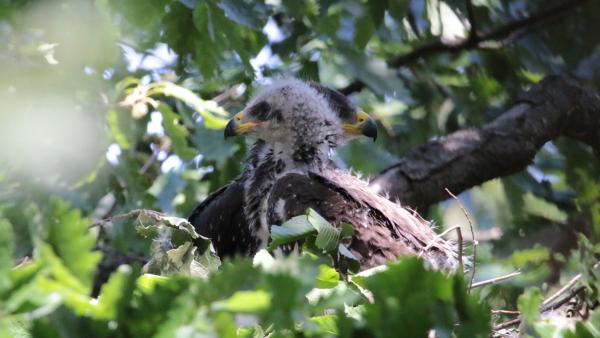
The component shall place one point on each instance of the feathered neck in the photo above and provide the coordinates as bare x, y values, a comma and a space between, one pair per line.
300, 157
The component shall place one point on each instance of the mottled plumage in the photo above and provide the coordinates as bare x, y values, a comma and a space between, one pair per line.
288, 171
222, 215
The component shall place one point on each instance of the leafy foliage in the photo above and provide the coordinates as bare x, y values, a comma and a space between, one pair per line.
110, 106
284, 296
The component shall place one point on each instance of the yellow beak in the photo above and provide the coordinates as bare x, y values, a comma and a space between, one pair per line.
236, 127
365, 125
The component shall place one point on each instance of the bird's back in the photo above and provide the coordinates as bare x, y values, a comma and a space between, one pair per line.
383, 230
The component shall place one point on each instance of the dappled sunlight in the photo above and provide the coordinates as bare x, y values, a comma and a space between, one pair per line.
51, 111
283, 168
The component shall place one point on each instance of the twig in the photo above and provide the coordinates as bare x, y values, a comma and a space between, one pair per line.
482, 40
230, 92
496, 33
551, 307
506, 312
133, 213
495, 280
547, 304
165, 144
462, 207
563, 301
443, 233
567, 286
507, 324
149, 162
562, 290
145, 53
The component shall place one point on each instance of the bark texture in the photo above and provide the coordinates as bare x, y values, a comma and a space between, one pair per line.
557, 106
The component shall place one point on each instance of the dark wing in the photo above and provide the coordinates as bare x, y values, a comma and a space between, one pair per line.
373, 243
220, 217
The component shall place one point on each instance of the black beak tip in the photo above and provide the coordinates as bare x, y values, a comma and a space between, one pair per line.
230, 129
369, 129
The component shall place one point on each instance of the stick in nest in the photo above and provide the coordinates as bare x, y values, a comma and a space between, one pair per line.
445, 232
462, 207
495, 280
547, 304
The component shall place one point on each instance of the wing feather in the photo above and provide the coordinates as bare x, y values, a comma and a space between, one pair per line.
220, 217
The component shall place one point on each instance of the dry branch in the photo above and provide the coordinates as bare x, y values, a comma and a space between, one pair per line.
557, 106
550, 303
464, 210
495, 280
133, 213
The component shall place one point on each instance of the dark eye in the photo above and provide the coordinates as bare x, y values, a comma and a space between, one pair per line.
260, 110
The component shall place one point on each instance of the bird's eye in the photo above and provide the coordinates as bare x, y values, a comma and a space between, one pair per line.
260, 110
361, 119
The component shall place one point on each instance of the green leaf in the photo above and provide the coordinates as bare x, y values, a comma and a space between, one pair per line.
328, 237
375, 73
398, 9
116, 294
214, 115
328, 277
289, 299
326, 324
182, 314
346, 230
301, 9
377, 10
537, 254
233, 276
6, 248
177, 132
23, 292
59, 271
216, 35
529, 304
178, 248
292, 230
225, 325
593, 323
410, 299
213, 147
539, 207
70, 238
317, 221
122, 128
14, 328
364, 30
251, 332
346, 253
248, 13
254, 301
139, 12
328, 240
148, 282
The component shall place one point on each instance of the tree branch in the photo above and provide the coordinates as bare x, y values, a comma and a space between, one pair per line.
512, 30
557, 106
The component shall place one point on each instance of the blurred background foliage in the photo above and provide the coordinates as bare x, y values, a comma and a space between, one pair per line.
108, 106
